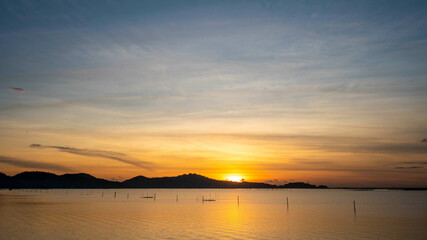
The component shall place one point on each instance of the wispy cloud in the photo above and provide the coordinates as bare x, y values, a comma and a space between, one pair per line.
32, 164
98, 153
394, 148
412, 167
415, 162
15, 89
20, 106
331, 143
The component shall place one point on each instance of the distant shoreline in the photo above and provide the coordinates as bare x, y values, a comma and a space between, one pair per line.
350, 189
46, 180
232, 188
381, 188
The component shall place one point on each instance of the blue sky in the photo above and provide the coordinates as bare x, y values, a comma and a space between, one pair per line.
346, 79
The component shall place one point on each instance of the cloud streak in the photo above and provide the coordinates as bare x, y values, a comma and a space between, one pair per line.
32, 164
415, 162
98, 153
413, 167
368, 145
15, 89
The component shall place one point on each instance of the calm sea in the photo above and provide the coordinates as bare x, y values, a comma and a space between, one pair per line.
181, 214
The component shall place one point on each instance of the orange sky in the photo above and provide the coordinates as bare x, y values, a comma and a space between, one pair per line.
273, 157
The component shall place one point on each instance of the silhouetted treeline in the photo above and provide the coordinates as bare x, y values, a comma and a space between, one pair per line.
301, 185
83, 180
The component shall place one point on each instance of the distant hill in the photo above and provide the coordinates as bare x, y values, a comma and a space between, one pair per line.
188, 181
4, 180
50, 180
83, 180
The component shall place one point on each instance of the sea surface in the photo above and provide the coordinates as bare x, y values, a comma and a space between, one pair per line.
181, 214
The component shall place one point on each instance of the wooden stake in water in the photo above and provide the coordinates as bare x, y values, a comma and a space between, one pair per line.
354, 206
102, 194
114, 194
128, 195
287, 203
177, 198
238, 200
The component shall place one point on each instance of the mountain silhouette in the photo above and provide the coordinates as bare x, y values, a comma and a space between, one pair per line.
188, 181
83, 180
50, 180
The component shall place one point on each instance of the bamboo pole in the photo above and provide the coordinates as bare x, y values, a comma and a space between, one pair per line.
287, 203
354, 206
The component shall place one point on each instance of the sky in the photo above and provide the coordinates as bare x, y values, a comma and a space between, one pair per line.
325, 92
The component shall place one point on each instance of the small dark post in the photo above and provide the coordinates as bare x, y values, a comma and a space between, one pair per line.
238, 200
154, 198
177, 198
128, 195
354, 206
102, 194
287, 203
115, 194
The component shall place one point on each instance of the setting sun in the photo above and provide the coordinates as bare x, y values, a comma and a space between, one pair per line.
234, 178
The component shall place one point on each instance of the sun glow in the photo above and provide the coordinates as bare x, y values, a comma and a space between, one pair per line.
234, 178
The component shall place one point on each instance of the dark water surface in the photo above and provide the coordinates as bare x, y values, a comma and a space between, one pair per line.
260, 214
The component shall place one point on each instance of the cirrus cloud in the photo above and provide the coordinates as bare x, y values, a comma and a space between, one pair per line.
121, 157
15, 89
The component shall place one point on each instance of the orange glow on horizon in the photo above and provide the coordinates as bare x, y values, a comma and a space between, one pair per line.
235, 178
